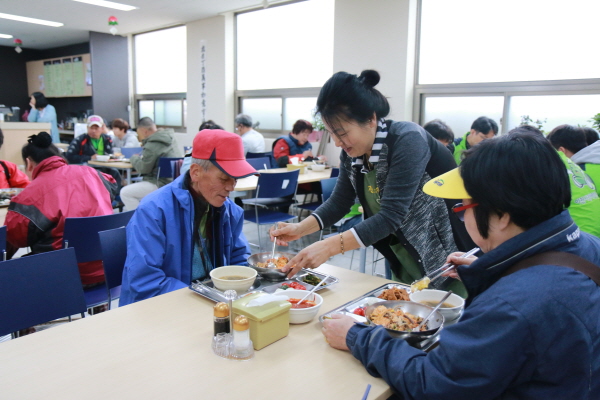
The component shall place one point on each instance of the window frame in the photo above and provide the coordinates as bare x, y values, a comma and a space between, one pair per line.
505, 89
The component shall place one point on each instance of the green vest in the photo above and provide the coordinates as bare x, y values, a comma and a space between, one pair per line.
460, 148
585, 203
593, 171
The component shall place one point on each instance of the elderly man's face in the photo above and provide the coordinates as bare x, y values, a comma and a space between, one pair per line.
95, 131
214, 185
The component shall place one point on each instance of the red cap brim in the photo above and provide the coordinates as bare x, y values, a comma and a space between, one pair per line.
236, 169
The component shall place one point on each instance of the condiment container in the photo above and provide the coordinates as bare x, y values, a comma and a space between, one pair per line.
301, 167
268, 323
221, 318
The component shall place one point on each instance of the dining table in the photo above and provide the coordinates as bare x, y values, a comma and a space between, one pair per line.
250, 183
118, 164
160, 348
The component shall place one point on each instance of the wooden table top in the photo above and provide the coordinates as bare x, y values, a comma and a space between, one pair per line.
250, 182
114, 164
161, 348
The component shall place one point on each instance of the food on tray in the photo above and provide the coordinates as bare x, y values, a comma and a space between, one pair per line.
312, 280
7, 194
421, 284
395, 319
293, 285
360, 311
304, 304
394, 294
279, 262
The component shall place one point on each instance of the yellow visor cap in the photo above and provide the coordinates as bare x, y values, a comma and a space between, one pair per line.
447, 186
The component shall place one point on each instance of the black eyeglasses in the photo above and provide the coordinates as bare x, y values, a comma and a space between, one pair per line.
459, 209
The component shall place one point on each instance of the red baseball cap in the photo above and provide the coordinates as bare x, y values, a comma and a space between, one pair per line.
225, 150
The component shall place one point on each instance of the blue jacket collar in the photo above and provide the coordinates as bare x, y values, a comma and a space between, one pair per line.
552, 234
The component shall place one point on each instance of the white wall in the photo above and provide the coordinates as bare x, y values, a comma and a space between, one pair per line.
217, 34
379, 35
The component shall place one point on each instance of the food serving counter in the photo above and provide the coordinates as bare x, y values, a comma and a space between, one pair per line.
161, 348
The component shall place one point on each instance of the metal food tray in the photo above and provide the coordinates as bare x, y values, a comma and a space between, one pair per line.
370, 297
262, 285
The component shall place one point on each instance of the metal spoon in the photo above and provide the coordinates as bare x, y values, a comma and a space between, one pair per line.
271, 264
424, 282
438, 305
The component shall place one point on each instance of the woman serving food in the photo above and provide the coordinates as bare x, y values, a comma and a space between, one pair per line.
385, 164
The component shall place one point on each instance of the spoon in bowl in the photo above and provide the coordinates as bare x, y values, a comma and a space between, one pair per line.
438, 305
271, 264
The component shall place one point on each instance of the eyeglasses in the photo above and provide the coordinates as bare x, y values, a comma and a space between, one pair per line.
459, 209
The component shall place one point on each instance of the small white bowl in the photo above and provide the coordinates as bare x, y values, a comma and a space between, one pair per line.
239, 285
302, 315
102, 158
318, 167
431, 297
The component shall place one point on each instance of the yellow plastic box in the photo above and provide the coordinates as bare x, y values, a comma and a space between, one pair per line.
268, 323
301, 167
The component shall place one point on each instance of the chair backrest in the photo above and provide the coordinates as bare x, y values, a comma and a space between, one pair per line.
268, 154
335, 172
176, 167
129, 151
327, 186
114, 252
38, 289
3, 243
259, 163
82, 233
165, 169
281, 184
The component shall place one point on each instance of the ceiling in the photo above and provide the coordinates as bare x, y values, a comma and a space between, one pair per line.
80, 18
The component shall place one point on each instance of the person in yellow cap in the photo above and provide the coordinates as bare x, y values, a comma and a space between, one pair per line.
530, 327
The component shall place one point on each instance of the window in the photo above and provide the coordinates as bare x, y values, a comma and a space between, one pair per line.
284, 56
288, 46
507, 59
161, 76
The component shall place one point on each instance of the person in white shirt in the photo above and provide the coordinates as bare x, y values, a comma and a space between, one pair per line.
253, 141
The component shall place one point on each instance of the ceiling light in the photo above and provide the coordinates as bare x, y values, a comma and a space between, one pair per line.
3, 36
109, 4
30, 20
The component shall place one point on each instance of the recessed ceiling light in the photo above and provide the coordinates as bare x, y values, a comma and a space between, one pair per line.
30, 20
3, 36
109, 4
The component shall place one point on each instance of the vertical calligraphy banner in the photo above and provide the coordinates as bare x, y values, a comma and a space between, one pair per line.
203, 77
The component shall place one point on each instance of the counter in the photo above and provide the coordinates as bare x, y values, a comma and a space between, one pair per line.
15, 137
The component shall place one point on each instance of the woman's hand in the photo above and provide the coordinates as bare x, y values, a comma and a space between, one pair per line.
311, 257
285, 233
322, 158
336, 329
455, 258
32, 102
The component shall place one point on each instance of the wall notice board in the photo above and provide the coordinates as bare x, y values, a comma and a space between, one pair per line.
61, 77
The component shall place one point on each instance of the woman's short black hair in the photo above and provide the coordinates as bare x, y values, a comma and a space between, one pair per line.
570, 137
590, 135
39, 147
351, 98
519, 174
439, 130
485, 125
40, 100
210, 124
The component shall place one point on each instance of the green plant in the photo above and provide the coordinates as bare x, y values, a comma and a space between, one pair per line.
538, 123
596, 121
318, 123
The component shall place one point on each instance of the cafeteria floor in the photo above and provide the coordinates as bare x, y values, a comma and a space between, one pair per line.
345, 261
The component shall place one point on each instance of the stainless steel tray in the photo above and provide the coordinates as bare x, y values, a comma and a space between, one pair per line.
261, 285
369, 297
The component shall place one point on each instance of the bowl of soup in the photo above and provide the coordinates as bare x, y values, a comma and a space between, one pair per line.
301, 313
451, 309
233, 277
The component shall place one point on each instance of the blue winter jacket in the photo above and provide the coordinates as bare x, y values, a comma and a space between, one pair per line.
534, 334
295, 147
160, 242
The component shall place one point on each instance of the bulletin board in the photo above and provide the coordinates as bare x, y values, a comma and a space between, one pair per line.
69, 76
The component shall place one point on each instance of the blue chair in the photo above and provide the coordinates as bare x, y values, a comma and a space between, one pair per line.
129, 151
82, 234
3, 242
259, 163
114, 252
268, 154
38, 289
270, 189
165, 168
327, 186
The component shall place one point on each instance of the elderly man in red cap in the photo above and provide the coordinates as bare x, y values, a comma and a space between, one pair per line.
190, 226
